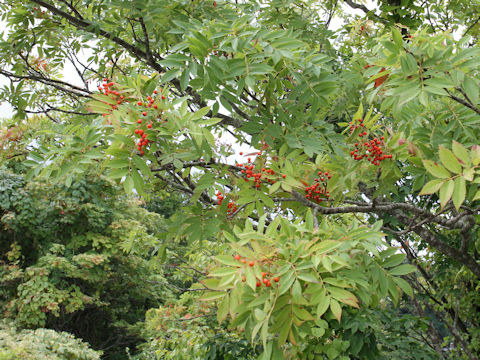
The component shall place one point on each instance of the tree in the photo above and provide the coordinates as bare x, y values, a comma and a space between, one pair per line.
359, 158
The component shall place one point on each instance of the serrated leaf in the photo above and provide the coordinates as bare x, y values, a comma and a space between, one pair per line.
471, 88
403, 269
307, 277
296, 291
286, 282
142, 166
227, 260
432, 187
397, 37
274, 187
222, 309
224, 271
476, 196
475, 154
250, 278
336, 309
393, 260
449, 160
212, 295
405, 286
459, 192
468, 174
128, 184
461, 153
344, 296
446, 192
323, 305
435, 169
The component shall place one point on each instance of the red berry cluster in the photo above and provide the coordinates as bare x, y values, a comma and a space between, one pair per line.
231, 207
318, 190
265, 280
106, 89
370, 149
143, 141
257, 175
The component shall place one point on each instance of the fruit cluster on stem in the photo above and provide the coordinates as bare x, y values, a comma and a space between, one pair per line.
107, 89
231, 207
256, 174
368, 146
266, 276
317, 191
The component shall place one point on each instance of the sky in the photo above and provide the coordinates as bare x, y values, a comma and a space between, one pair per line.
70, 75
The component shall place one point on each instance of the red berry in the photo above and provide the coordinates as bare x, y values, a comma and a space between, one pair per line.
244, 261
259, 283
268, 284
163, 97
264, 274
137, 131
155, 106
237, 257
139, 121
251, 263
154, 91
144, 113
139, 103
284, 176
276, 279
265, 281
142, 152
241, 153
149, 126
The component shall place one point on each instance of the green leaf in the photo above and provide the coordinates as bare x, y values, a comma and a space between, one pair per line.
476, 196
461, 153
432, 186
323, 305
224, 271
222, 309
459, 192
471, 88
336, 309
251, 279
405, 286
307, 277
446, 192
296, 291
435, 169
212, 295
286, 282
128, 184
403, 269
449, 160
142, 166
137, 180
397, 37
475, 154
393, 260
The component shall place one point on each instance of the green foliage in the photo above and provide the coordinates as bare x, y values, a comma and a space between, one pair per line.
73, 256
42, 344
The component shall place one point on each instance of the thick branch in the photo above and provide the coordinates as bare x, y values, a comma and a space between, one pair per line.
431, 239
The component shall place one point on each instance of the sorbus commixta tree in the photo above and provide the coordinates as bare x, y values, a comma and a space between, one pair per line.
332, 178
